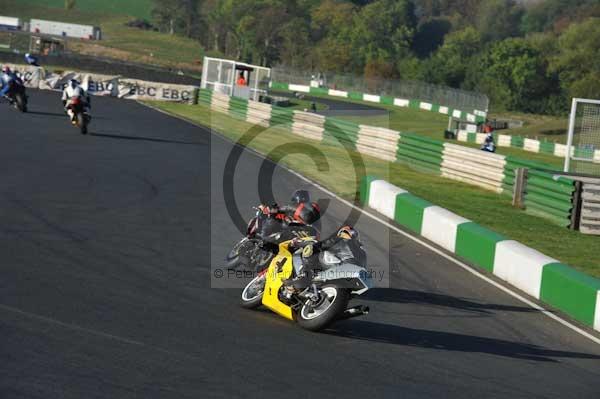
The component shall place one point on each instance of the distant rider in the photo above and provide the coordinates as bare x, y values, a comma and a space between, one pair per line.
345, 245
488, 144
72, 90
8, 81
31, 60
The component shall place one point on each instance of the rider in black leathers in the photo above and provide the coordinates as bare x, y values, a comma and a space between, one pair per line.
345, 245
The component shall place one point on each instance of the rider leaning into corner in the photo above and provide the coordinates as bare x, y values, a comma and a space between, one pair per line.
345, 245
72, 90
301, 210
8, 80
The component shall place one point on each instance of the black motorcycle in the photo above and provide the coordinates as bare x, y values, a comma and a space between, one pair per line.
263, 234
17, 97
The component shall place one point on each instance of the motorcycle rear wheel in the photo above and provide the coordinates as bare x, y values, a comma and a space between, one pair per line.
332, 305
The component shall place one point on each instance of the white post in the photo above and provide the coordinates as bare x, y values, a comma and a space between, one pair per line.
570, 134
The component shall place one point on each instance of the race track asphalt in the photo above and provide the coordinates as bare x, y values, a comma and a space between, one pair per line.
105, 284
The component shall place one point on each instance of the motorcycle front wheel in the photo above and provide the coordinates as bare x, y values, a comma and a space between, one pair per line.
21, 103
316, 316
82, 123
253, 292
237, 254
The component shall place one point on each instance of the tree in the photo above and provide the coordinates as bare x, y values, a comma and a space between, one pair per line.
383, 31
577, 61
498, 19
515, 76
450, 63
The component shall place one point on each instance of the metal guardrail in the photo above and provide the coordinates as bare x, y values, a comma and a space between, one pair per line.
448, 96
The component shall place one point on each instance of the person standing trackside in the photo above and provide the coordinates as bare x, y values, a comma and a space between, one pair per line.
242, 80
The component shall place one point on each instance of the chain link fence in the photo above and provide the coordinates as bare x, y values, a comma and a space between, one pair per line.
450, 97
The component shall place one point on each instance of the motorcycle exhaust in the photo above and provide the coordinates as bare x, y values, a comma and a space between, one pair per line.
355, 311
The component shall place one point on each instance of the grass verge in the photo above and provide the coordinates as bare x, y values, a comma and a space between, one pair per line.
432, 125
486, 208
119, 41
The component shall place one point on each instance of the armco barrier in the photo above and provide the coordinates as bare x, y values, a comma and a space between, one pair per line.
470, 116
107, 85
549, 195
421, 152
473, 166
540, 276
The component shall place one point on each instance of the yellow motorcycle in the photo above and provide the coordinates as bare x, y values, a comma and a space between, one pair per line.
324, 301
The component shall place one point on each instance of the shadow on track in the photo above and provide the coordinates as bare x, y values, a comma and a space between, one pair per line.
58, 115
396, 335
151, 139
393, 295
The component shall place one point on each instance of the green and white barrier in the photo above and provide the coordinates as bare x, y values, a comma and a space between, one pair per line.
531, 145
549, 197
471, 116
540, 276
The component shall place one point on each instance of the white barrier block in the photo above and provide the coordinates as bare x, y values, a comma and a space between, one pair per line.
471, 128
382, 197
400, 102
301, 88
371, 98
457, 113
463, 135
338, 93
531, 145
471, 118
444, 110
597, 318
480, 113
597, 156
426, 106
504, 140
521, 266
480, 138
440, 225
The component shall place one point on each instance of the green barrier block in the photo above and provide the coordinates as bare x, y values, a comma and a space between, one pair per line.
584, 153
570, 291
517, 141
353, 95
416, 104
480, 119
471, 137
547, 147
387, 100
318, 90
409, 211
435, 108
477, 244
280, 86
204, 96
365, 188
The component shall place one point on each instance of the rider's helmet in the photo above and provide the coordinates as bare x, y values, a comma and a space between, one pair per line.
73, 83
6, 69
307, 213
27, 55
300, 197
347, 233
